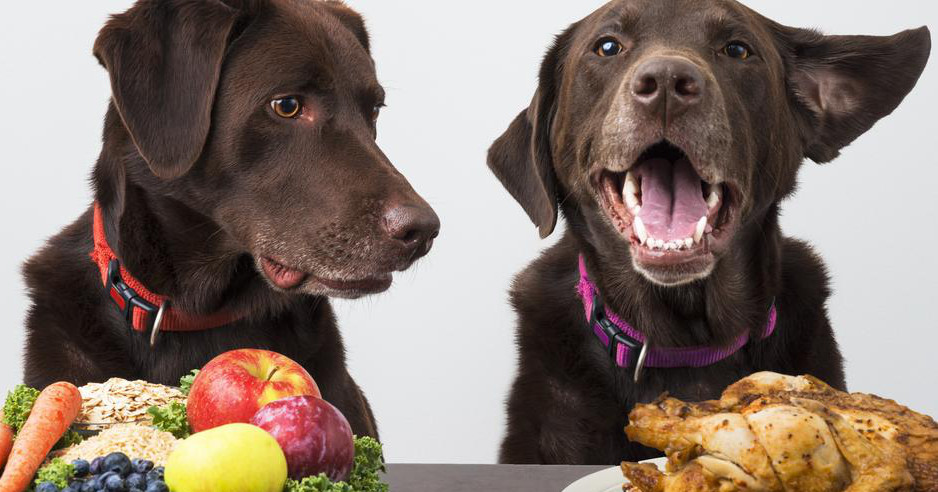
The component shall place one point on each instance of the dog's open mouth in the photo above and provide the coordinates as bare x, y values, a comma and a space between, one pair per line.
287, 278
665, 208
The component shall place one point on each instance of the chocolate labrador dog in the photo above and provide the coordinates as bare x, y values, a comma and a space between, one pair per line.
239, 187
668, 132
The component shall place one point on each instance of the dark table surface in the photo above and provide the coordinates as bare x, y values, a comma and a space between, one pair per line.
489, 478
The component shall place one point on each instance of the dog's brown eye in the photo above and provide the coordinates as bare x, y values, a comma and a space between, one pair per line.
608, 47
286, 107
737, 50
376, 111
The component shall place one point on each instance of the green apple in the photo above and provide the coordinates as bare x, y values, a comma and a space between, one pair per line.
230, 458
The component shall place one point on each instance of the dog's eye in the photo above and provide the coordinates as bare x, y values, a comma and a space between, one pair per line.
608, 47
737, 49
376, 111
286, 107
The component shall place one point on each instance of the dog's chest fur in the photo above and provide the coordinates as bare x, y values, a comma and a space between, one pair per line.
572, 396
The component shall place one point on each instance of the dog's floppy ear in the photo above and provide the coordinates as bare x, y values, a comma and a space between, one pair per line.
164, 58
845, 84
522, 158
351, 20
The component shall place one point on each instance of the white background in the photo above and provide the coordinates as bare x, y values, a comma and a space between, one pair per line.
436, 355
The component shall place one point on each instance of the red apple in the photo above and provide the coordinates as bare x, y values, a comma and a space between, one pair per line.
232, 387
314, 436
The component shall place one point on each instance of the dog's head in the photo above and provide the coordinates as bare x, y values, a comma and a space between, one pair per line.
261, 115
668, 129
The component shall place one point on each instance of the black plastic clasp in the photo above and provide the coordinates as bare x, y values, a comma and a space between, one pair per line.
125, 297
615, 335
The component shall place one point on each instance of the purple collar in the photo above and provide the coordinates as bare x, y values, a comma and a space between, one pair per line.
627, 345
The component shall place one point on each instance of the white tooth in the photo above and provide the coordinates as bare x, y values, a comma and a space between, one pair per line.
713, 200
636, 210
668, 246
631, 184
688, 243
659, 244
631, 201
630, 192
701, 228
638, 227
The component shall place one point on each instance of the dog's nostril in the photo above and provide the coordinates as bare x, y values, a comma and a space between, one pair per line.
413, 226
687, 86
645, 86
408, 236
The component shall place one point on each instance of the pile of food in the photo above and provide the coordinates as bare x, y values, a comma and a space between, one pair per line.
142, 441
770, 432
119, 401
114, 472
249, 421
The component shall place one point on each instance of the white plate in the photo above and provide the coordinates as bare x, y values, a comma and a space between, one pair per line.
609, 480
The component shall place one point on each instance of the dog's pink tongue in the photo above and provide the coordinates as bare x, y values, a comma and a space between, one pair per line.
282, 276
672, 199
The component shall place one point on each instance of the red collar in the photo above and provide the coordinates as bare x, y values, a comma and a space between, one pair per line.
144, 310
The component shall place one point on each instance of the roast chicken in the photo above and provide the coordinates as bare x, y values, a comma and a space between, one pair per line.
770, 432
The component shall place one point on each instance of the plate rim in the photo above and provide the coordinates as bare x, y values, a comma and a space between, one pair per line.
579, 484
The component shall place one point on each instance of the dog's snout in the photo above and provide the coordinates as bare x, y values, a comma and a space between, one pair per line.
667, 86
413, 226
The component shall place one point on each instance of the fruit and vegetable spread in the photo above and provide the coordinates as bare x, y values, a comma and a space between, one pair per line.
249, 421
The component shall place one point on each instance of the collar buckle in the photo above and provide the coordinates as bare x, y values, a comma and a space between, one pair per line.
637, 350
125, 297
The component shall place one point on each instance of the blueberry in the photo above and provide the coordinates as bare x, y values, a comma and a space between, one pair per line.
88, 486
95, 468
157, 486
114, 483
155, 474
117, 462
101, 479
82, 468
135, 489
142, 466
73, 487
47, 487
138, 480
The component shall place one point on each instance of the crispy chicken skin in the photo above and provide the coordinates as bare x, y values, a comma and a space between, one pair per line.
770, 432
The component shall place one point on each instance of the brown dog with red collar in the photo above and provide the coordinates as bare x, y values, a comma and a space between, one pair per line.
238, 188
668, 132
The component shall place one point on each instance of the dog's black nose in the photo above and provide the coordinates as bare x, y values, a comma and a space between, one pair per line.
413, 226
667, 86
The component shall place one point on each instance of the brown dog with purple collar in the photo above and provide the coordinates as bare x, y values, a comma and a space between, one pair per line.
668, 132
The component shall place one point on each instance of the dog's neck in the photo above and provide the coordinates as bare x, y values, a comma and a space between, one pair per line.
169, 247
734, 299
